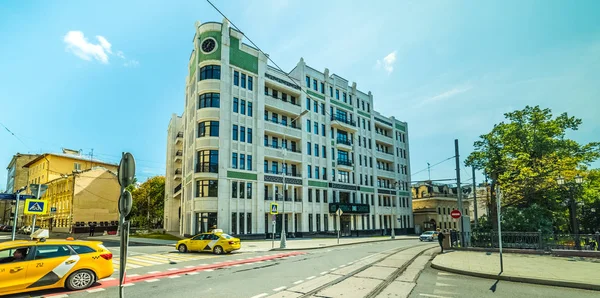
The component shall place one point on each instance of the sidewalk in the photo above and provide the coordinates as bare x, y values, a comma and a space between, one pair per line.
546, 270
266, 245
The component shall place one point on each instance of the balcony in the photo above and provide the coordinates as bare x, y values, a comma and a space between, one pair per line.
344, 143
282, 106
283, 128
179, 138
338, 121
177, 189
384, 139
178, 174
384, 155
178, 156
280, 153
344, 164
280, 173
206, 168
386, 173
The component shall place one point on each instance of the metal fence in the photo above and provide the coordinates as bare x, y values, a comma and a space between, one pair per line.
527, 240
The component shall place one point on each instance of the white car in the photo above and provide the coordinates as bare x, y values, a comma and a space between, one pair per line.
429, 236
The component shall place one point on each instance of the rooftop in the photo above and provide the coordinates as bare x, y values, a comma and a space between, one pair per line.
70, 156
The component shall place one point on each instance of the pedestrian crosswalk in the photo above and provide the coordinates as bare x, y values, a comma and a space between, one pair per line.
4, 237
444, 286
146, 260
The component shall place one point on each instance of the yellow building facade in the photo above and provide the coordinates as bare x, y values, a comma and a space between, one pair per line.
72, 181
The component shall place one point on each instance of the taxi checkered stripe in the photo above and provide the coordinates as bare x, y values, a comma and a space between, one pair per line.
138, 261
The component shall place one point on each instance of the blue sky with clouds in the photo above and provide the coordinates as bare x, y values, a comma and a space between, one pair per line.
107, 75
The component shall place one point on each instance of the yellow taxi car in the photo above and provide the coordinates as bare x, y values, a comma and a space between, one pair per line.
215, 241
40, 264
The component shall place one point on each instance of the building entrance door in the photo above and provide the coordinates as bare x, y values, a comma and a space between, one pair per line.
345, 230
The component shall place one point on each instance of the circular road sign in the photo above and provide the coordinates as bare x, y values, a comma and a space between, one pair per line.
126, 172
125, 203
455, 214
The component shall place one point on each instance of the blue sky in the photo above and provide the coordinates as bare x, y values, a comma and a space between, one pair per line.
448, 68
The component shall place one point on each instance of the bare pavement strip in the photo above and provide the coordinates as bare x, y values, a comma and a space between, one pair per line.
387, 273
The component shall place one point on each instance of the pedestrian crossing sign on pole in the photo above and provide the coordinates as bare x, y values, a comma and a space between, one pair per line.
274, 209
36, 206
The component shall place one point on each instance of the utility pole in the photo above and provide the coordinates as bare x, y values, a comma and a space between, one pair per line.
429, 170
474, 196
148, 198
459, 192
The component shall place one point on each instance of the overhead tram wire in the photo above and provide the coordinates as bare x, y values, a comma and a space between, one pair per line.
429, 167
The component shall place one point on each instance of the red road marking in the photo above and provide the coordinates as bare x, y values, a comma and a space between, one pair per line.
115, 282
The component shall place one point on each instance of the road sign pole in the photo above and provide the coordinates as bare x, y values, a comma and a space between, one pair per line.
16, 216
499, 228
126, 176
39, 188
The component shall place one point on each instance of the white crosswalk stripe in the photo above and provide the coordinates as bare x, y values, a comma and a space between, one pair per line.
146, 260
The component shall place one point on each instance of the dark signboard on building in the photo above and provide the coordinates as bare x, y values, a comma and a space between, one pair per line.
349, 208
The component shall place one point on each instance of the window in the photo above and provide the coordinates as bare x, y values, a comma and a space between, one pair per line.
324, 152
315, 84
234, 160
51, 251
307, 82
350, 99
242, 161
333, 153
266, 116
243, 80
368, 107
337, 94
235, 104
243, 107
242, 134
344, 97
208, 128
323, 129
266, 166
210, 72
274, 118
369, 124
249, 194
209, 100
322, 88
207, 188
266, 90
309, 175
317, 174
343, 177
80, 249
236, 78
293, 99
307, 125
308, 103
250, 83
249, 160
275, 142
284, 120
249, 139
207, 161
316, 128
317, 150
315, 106
308, 148
323, 109
235, 132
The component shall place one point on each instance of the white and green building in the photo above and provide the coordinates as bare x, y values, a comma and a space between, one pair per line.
247, 126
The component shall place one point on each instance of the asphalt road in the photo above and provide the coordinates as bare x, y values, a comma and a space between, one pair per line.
257, 279
433, 283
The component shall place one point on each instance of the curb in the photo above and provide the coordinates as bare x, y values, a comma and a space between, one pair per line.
343, 244
530, 280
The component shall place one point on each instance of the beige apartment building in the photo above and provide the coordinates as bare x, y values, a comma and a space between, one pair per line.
17, 177
432, 204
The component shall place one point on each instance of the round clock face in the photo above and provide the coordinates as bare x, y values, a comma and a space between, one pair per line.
208, 45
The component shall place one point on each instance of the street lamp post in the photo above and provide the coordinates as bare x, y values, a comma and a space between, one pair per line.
16, 216
282, 243
572, 205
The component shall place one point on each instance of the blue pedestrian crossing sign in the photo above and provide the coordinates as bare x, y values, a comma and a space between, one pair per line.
36, 207
274, 209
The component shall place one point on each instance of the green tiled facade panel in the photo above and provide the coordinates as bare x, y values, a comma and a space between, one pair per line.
400, 127
317, 183
240, 58
241, 175
216, 55
364, 114
342, 105
367, 189
404, 193
315, 94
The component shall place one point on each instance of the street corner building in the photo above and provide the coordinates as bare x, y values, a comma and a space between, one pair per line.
17, 177
251, 135
81, 191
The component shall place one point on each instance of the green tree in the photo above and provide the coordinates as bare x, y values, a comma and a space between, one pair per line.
526, 153
148, 203
590, 199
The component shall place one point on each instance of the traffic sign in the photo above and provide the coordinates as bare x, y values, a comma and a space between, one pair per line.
125, 203
53, 209
126, 172
339, 212
35, 207
274, 208
455, 214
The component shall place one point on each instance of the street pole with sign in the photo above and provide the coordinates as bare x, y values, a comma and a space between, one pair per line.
339, 213
40, 189
16, 216
499, 227
126, 176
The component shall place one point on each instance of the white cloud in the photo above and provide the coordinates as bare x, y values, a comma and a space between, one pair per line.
82, 48
388, 62
446, 94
